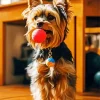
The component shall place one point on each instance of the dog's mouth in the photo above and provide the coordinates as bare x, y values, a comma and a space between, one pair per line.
48, 40
48, 32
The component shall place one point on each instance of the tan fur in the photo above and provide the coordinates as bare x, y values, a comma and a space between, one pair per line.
60, 90
43, 86
52, 40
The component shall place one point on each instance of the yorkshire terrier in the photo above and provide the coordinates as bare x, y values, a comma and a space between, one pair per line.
52, 70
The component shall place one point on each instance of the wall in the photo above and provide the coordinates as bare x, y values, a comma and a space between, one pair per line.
14, 39
78, 11
74, 27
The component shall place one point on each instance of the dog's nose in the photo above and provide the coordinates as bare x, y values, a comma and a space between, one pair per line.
40, 24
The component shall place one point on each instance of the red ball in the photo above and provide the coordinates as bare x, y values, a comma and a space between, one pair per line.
39, 35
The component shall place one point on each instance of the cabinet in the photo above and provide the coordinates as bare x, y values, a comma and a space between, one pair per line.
92, 46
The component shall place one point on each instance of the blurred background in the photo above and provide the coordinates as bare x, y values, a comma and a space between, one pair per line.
83, 40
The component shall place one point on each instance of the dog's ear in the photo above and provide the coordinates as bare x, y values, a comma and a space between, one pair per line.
34, 3
65, 11
63, 3
63, 6
31, 4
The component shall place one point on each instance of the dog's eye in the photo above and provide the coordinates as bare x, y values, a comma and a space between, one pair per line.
35, 17
50, 17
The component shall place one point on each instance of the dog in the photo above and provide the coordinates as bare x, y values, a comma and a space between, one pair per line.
52, 70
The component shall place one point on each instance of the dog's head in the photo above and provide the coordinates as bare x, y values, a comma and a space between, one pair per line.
52, 18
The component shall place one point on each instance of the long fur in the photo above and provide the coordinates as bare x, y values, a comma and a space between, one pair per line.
57, 37
61, 86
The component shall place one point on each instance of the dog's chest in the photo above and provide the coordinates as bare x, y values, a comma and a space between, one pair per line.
36, 91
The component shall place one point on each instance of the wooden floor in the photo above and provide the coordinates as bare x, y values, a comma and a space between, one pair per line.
22, 92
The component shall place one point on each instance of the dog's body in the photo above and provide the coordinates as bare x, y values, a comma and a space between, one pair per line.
56, 80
